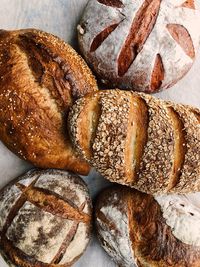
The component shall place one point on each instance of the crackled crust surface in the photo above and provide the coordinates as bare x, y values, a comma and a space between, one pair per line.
40, 78
153, 228
45, 219
167, 34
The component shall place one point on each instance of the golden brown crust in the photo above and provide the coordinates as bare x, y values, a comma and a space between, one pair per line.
41, 76
136, 139
179, 147
153, 242
152, 239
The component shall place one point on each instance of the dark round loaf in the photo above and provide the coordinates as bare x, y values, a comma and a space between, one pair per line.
45, 219
40, 78
137, 230
145, 45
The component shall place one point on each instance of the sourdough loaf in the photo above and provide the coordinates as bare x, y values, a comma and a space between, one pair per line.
140, 141
45, 219
40, 78
137, 230
145, 45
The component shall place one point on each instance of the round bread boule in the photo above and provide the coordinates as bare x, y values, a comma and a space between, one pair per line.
145, 45
45, 219
138, 230
40, 78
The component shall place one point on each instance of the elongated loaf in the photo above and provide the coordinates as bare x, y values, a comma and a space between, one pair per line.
138, 230
140, 141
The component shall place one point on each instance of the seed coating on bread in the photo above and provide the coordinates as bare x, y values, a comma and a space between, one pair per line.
190, 172
45, 219
158, 155
133, 44
136, 229
137, 140
40, 78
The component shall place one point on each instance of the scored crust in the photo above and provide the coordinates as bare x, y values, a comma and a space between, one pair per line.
45, 219
114, 128
189, 179
165, 149
41, 77
85, 113
156, 165
149, 240
133, 44
138, 140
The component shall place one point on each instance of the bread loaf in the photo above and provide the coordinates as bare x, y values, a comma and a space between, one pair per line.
40, 78
137, 230
134, 44
45, 219
138, 140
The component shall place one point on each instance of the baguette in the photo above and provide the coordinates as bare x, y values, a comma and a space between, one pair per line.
139, 141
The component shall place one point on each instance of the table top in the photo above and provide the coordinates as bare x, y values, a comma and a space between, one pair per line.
61, 17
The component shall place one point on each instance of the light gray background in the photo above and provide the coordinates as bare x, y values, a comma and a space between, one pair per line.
60, 17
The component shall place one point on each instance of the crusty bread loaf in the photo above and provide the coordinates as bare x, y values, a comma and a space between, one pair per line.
134, 44
45, 219
137, 230
40, 78
138, 140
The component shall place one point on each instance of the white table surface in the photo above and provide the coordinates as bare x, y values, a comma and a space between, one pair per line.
60, 17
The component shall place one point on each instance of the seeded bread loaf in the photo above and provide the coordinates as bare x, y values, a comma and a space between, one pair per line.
134, 44
140, 141
45, 219
40, 78
137, 230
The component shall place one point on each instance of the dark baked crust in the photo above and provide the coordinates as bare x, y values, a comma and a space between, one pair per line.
40, 78
63, 206
153, 242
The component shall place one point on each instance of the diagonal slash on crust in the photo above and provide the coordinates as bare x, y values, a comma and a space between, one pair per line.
112, 3
141, 28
